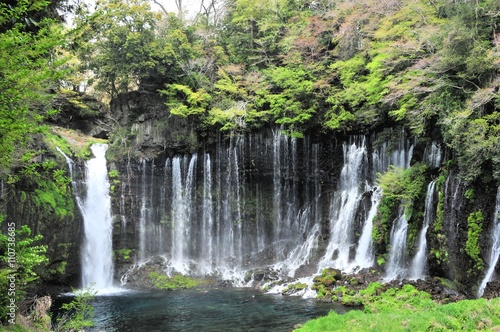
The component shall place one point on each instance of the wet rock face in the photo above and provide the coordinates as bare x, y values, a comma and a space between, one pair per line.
145, 120
61, 236
492, 289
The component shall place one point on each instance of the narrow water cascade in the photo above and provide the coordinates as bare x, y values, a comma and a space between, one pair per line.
143, 216
454, 202
364, 252
419, 262
398, 155
97, 265
495, 247
74, 186
344, 206
182, 200
302, 251
228, 211
284, 188
396, 265
277, 186
207, 216
69, 162
303, 224
432, 155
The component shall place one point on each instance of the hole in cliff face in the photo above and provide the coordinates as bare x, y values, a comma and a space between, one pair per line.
104, 134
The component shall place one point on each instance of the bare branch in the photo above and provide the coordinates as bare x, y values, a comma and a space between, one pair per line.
161, 6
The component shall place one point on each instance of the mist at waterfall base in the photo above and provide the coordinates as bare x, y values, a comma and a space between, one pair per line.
233, 309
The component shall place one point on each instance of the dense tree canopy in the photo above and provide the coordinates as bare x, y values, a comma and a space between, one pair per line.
29, 68
348, 66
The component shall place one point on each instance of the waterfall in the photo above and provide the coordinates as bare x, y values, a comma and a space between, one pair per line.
207, 215
354, 178
277, 189
420, 260
364, 253
182, 204
228, 216
142, 217
432, 155
303, 224
495, 247
385, 155
97, 264
398, 154
69, 161
247, 205
344, 206
396, 266
454, 203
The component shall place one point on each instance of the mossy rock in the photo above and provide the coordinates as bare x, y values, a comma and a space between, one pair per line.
300, 286
294, 288
160, 281
335, 273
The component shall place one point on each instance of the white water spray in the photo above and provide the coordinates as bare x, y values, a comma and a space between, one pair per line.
419, 262
397, 255
343, 208
181, 207
207, 216
97, 265
495, 248
432, 155
364, 253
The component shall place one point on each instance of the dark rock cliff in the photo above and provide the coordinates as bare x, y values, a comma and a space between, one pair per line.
145, 141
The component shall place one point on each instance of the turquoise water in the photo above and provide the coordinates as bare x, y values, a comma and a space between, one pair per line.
213, 310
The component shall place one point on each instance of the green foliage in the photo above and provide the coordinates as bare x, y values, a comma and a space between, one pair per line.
407, 309
113, 174
229, 119
400, 188
30, 67
19, 257
332, 66
327, 280
381, 261
474, 229
79, 312
116, 42
171, 283
51, 188
185, 102
469, 194
123, 254
403, 185
293, 288
290, 99
385, 212
60, 269
477, 140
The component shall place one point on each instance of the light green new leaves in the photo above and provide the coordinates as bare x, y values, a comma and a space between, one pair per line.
185, 102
